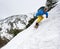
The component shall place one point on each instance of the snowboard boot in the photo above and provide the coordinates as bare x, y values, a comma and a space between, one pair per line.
36, 25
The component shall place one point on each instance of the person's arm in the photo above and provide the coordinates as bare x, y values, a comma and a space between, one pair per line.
37, 13
35, 16
46, 15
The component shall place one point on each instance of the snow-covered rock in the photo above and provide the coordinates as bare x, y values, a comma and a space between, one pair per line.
13, 22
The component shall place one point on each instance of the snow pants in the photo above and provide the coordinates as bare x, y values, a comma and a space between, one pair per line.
39, 19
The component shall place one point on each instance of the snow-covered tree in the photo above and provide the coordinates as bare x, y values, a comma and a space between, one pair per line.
51, 3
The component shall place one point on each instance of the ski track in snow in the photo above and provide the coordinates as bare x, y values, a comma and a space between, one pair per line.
46, 36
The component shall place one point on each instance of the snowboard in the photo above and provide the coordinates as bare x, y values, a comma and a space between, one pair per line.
36, 25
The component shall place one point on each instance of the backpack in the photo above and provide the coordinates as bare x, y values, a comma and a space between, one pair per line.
41, 8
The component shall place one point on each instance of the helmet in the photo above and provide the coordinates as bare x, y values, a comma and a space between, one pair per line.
46, 8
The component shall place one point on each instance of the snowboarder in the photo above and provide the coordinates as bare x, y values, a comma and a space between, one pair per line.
39, 15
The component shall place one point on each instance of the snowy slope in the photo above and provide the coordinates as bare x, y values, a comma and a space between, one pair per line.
47, 36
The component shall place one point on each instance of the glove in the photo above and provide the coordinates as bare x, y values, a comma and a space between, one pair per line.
35, 17
46, 16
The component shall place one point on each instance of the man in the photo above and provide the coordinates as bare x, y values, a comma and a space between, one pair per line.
39, 15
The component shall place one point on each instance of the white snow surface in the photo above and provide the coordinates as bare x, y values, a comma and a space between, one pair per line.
46, 36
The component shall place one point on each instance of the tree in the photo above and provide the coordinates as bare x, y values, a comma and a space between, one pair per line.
51, 4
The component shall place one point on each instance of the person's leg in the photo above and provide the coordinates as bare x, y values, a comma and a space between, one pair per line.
39, 19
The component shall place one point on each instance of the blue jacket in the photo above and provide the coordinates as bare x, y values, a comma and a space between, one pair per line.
41, 12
